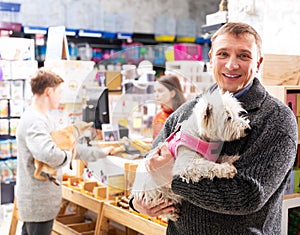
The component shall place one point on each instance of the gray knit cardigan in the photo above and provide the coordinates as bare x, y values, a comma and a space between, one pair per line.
40, 200
251, 202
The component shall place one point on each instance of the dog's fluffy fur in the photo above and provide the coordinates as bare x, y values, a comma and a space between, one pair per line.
65, 140
216, 117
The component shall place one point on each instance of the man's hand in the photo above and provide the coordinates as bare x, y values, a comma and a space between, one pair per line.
161, 158
160, 165
140, 204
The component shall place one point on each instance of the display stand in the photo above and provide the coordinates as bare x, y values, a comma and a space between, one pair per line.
70, 224
134, 224
105, 210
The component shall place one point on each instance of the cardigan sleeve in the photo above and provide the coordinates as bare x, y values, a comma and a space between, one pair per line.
262, 170
89, 153
41, 145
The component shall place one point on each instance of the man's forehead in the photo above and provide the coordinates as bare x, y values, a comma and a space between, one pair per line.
226, 40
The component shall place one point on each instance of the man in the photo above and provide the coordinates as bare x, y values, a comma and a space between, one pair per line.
39, 201
251, 202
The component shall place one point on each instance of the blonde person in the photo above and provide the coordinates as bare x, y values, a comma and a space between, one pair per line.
39, 201
169, 95
251, 202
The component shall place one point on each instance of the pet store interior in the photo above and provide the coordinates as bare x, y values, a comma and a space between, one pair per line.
110, 54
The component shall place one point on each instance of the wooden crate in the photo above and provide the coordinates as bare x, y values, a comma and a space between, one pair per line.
73, 224
281, 70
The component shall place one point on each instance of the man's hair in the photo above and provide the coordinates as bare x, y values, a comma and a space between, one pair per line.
237, 29
42, 79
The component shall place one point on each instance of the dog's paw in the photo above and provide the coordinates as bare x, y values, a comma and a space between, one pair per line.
174, 216
224, 170
229, 159
190, 175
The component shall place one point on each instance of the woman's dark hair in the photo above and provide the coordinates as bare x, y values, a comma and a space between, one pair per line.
172, 82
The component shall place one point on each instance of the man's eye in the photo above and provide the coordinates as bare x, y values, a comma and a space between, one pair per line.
244, 56
223, 54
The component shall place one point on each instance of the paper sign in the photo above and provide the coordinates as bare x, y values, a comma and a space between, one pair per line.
57, 45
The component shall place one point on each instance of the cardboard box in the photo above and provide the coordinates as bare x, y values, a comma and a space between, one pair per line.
114, 81
291, 101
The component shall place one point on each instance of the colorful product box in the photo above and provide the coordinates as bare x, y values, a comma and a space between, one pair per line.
291, 100
290, 184
296, 180
298, 121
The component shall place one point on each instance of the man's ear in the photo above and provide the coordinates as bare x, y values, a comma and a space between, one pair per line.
259, 62
210, 56
48, 91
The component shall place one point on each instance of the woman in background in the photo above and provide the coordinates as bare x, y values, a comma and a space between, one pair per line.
169, 94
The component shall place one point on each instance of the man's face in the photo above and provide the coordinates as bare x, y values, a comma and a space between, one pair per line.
234, 60
55, 96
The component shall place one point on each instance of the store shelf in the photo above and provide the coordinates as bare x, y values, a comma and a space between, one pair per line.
85, 201
105, 210
132, 221
211, 28
82, 200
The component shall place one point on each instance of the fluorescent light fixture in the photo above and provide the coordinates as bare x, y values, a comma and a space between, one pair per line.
71, 32
124, 35
35, 30
89, 33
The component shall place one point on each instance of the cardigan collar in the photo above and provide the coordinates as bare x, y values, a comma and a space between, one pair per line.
253, 98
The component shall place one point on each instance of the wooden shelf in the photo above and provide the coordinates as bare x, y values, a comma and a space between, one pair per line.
291, 196
82, 200
281, 91
130, 220
85, 201
289, 200
105, 210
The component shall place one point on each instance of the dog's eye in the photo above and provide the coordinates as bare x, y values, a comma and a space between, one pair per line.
229, 118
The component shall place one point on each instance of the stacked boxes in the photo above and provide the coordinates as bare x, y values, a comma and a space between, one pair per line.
296, 179
290, 187
293, 102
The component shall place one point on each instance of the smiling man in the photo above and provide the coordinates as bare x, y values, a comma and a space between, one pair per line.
251, 202
235, 57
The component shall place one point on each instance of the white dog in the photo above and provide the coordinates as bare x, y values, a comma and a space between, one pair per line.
196, 145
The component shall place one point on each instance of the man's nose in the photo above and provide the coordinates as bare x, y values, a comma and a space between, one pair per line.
232, 63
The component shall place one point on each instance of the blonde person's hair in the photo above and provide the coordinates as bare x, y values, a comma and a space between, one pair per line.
42, 79
237, 29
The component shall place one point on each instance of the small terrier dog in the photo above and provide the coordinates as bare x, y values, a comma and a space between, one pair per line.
65, 139
196, 145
